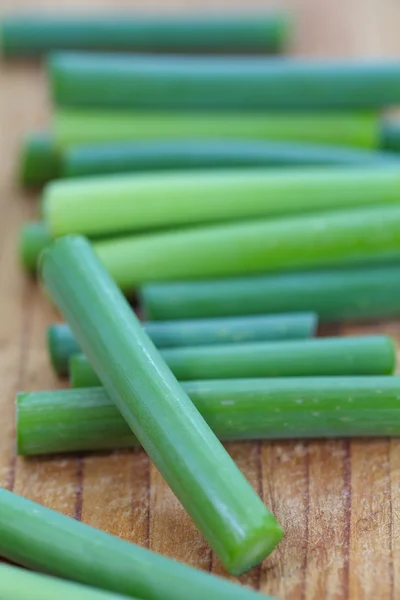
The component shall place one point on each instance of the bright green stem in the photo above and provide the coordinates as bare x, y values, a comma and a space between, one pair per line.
236, 409
223, 83
335, 294
73, 127
361, 355
126, 203
20, 584
40, 161
32, 35
333, 238
220, 500
33, 238
41, 539
197, 332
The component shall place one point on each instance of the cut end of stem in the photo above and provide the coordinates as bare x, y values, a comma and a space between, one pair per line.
258, 547
34, 238
39, 160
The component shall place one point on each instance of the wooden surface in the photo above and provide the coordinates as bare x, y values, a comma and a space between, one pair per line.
339, 501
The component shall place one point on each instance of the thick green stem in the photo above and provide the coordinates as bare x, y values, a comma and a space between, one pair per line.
223, 83
34, 237
307, 407
212, 489
197, 332
334, 294
41, 539
40, 159
362, 355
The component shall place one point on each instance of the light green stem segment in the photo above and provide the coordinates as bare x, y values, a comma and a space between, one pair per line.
127, 203
28, 35
20, 584
41, 539
334, 294
197, 332
221, 83
77, 126
220, 500
361, 355
334, 238
34, 237
236, 409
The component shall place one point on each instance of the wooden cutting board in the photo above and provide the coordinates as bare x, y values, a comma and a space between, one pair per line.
338, 501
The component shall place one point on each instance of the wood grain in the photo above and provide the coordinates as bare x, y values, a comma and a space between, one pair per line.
339, 501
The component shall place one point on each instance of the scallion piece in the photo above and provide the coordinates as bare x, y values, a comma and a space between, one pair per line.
348, 237
20, 584
39, 538
127, 203
33, 238
239, 33
71, 127
40, 159
359, 355
213, 82
334, 294
197, 332
222, 503
236, 409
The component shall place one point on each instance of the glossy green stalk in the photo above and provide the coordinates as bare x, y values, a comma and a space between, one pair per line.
40, 160
326, 239
20, 584
222, 503
361, 355
86, 419
33, 238
72, 127
334, 294
197, 332
126, 203
39, 538
223, 83
36, 35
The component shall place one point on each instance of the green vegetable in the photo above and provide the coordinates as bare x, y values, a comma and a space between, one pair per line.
40, 160
41, 539
335, 294
336, 238
124, 203
19, 584
236, 409
224, 83
361, 355
62, 344
31, 35
390, 136
33, 238
226, 509
73, 127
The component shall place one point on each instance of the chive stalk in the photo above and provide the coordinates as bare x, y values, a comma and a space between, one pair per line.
236, 409
33, 238
39, 538
222, 503
359, 355
20, 584
196, 332
124, 203
212, 82
334, 295
71, 127
390, 136
40, 159
337, 238
36, 35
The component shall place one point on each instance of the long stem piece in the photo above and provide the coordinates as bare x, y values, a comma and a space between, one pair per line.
77, 126
222, 503
213, 82
20, 584
196, 332
37, 35
236, 409
127, 203
361, 355
334, 238
334, 294
39, 538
